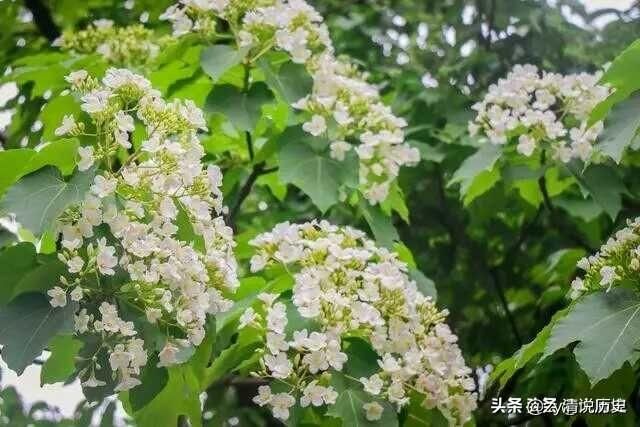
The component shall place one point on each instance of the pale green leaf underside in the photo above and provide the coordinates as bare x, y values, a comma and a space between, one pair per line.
607, 327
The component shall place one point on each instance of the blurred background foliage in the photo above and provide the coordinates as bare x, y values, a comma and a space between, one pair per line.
501, 260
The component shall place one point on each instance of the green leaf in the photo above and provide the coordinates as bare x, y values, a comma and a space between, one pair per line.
154, 380
61, 154
482, 183
61, 364
381, 225
425, 285
38, 199
317, 175
16, 263
474, 174
232, 357
14, 164
180, 396
419, 416
349, 408
603, 184
292, 81
607, 327
27, 324
622, 76
218, 59
242, 109
621, 128
11, 166
528, 352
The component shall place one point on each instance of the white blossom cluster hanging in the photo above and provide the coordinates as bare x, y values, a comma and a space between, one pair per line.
542, 111
348, 286
618, 260
152, 220
341, 106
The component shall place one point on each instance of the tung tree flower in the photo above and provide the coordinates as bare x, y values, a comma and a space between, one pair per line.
617, 260
151, 223
342, 106
348, 287
541, 110
131, 46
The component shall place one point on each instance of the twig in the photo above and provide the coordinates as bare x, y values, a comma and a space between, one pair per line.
43, 19
257, 171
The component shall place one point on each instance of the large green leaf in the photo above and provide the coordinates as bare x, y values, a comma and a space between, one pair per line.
38, 199
622, 76
621, 128
180, 396
317, 175
603, 184
14, 164
475, 175
11, 166
22, 270
606, 326
349, 408
27, 324
292, 81
242, 109
381, 225
218, 59
61, 364
154, 379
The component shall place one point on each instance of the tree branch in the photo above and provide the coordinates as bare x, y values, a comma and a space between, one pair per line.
42, 19
257, 171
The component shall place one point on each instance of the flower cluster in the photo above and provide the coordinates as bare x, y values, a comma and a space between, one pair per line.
348, 287
130, 46
341, 106
543, 111
617, 261
149, 235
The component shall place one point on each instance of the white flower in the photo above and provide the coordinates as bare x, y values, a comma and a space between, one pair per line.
103, 187
153, 314
316, 126
75, 264
93, 382
526, 145
168, 355
280, 404
127, 382
277, 318
58, 297
373, 411
608, 276
81, 321
119, 358
372, 385
276, 342
279, 365
264, 395
76, 294
105, 258
95, 101
339, 149
76, 77
247, 318
67, 126
193, 114
103, 23
124, 122
86, 158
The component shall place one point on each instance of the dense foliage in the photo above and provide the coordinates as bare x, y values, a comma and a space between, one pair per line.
257, 212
